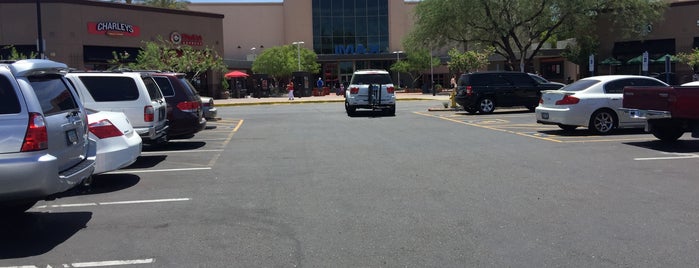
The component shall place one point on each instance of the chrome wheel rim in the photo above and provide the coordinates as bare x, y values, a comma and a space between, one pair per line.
486, 105
604, 122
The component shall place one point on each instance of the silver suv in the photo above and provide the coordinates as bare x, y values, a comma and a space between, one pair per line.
370, 89
45, 148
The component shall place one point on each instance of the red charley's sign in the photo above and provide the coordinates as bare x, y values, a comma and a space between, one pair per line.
113, 29
186, 39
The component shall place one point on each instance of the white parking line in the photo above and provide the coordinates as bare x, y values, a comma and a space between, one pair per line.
130, 171
93, 264
116, 203
677, 156
179, 152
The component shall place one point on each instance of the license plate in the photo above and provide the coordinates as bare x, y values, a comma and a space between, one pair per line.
72, 137
544, 115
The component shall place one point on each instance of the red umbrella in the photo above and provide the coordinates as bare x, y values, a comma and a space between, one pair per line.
236, 74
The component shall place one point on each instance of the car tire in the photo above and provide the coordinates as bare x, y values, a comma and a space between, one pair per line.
486, 105
567, 127
603, 122
666, 131
351, 110
391, 111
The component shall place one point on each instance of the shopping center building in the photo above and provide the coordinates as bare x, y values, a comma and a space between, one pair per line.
346, 34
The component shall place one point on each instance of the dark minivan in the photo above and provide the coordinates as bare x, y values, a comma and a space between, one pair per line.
184, 107
483, 91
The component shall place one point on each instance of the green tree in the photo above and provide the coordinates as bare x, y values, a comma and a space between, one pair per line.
15, 55
517, 29
280, 62
579, 52
171, 4
468, 61
691, 59
165, 56
416, 62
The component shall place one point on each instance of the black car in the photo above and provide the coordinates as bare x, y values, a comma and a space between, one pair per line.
483, 91
184, 108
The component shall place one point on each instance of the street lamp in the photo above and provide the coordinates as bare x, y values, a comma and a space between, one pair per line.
432, 74
253, 53
298, 51
397, 60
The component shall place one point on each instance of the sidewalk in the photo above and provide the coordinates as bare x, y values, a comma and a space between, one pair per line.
320, 99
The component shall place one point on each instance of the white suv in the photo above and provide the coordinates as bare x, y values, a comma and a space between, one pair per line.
370, 89
135, 94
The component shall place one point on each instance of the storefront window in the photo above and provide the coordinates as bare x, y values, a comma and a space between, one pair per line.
345, 26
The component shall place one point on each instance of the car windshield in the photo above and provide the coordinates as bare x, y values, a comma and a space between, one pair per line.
365, 79
580, 85
538, 79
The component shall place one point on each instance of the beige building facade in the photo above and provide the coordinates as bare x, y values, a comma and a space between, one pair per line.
83, 34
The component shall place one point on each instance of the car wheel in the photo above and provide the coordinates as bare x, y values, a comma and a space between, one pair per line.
486, 105
17, 207
351, 110
666, 131
567, 127
603, 122
391, 111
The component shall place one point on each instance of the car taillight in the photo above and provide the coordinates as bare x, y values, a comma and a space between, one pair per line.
188, 106
568, 100
37, 137
390, 90
469, 90
148, 113
354, 90
104, 129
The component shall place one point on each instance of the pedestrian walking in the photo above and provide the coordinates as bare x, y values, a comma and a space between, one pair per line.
320, 83
452, 83
290, 88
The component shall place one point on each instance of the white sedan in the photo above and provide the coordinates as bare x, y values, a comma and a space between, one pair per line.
592, 102
118, 145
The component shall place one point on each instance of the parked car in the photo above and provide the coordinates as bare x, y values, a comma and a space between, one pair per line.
370, 89
118, 144
209, 108
483, 91
45, 149
592, 102
184, 106
135, 94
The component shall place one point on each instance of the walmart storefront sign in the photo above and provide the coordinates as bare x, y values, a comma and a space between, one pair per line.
361, 49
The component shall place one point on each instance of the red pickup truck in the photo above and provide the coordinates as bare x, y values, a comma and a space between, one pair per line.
669, 111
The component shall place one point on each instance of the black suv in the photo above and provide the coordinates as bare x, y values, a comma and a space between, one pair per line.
483, 91
184, 107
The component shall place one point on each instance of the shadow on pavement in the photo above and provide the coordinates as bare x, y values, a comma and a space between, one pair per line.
679, 146
35, 233
584, 132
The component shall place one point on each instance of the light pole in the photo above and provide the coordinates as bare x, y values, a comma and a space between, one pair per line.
298, 51
432, 74
253, 53
397, 60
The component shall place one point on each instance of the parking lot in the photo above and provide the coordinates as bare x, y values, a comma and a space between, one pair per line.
306, 185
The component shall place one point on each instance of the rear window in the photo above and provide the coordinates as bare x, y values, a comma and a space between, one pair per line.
54, 95
365, 79
153, 89
192, 90
580, 85
165, 86
9, 104
111, 88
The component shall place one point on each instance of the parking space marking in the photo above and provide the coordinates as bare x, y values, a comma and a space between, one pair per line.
130, 171
179, 152
225, 143
115, 203
528, 130
675, 157
93, 264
